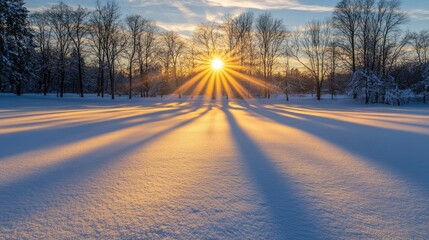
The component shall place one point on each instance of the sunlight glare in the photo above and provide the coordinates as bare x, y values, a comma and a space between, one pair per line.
217, 64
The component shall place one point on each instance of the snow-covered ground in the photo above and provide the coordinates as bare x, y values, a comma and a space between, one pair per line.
91, 168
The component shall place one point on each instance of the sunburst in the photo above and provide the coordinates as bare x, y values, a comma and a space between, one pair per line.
220, 76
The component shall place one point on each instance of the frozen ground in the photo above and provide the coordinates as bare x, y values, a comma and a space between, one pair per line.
74, 169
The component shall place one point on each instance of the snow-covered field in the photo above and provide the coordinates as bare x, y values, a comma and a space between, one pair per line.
88, 168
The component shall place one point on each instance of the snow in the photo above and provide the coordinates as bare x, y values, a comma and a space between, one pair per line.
163, 168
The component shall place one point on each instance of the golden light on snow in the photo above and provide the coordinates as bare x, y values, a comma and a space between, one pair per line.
267, 159
217, 64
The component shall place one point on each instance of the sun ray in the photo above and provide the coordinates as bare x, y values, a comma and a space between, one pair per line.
248, 78
200, 86
211, 87
225, 85
237, 86
192, 81
218, 86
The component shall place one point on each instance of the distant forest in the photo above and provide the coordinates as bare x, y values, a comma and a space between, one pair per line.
362, 50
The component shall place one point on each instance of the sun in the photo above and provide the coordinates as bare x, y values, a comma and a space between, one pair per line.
217, 64
221, 76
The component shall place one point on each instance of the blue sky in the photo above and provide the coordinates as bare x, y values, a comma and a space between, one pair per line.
183, 15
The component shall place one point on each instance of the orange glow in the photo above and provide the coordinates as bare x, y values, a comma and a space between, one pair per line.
222, 76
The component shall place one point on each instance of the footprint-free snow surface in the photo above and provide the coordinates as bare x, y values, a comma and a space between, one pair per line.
87, 168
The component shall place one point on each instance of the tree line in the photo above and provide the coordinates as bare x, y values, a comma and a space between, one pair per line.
362, 50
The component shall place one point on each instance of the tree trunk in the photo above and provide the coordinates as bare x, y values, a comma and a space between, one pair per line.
45, 82
318, 90
353, 55
102, 80
112, 81
18, 88
130, 76
98, 81
130, 72
80, 75
62, 80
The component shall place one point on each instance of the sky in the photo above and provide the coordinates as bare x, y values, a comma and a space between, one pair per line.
183, 15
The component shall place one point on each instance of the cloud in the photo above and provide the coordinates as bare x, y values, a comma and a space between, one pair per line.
36, 8
216, 16
183, 9
419, 14
178, 27
269, 5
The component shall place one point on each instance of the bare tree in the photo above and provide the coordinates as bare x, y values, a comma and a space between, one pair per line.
174, 50
420, 43
284, 83
113, 38
311, 48
43, 39
206, 37
136, 27
96, 32
77, 29
346, 19
59, 22
392, 42
146, 50
238, 32
333, 66
271, 34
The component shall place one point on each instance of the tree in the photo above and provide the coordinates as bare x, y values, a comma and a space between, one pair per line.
59, 22
284, 82
311, 48
420, 43
96, 32
271, 34
136, 27
206, 37
370, 38
381, 43
43, 41
113, 39
174, 48
238, 32
346, 19
15, 43
77, 30
146, 50
425, 83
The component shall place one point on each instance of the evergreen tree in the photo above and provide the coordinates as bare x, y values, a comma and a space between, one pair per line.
15, 43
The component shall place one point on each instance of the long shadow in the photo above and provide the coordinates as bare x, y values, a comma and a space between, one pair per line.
77, 131
30, 195
324, 111
44, 114
290, 215
403, 153
55, 116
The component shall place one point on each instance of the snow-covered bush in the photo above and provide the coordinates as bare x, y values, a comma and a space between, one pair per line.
397, 96
365, 84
